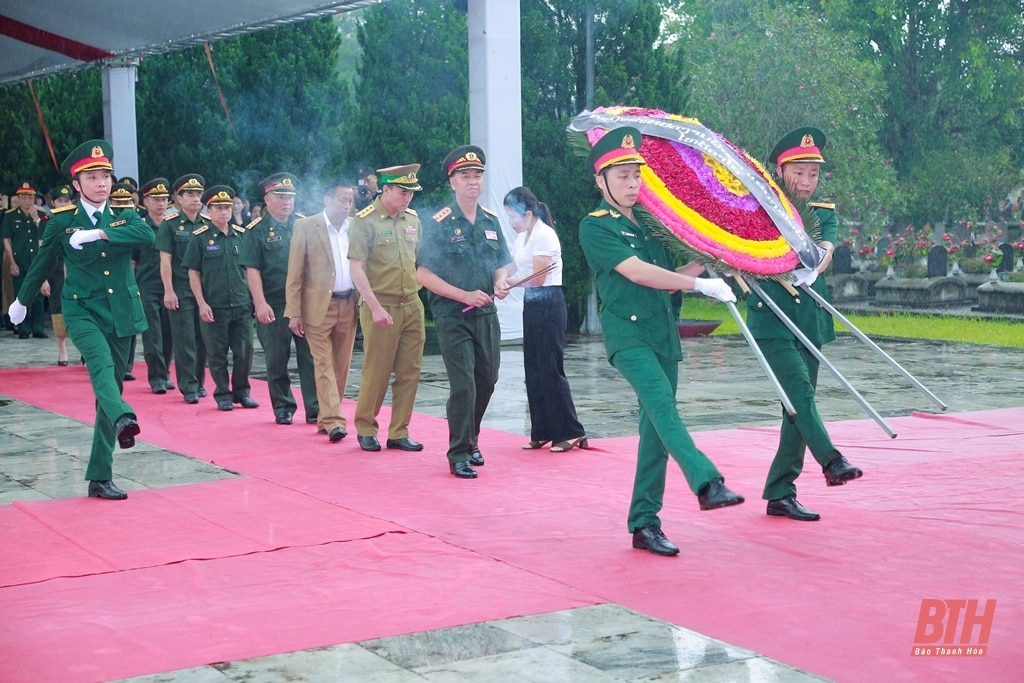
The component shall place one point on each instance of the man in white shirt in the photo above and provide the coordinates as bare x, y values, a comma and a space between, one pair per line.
320, 301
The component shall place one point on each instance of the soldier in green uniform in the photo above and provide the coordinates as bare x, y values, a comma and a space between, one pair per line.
122, 196
101, 301
383, 241
225, 309
172, 239
797, 160
461, 262
635, 274
265, 254
21, 235
59, 197
156, 341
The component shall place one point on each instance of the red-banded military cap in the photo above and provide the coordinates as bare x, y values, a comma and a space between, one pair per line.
803, 144
219, 195
464, 158
402, 176
25, 188
157, 187
279, 183
190, 182
121, 196
619, 146
92, 155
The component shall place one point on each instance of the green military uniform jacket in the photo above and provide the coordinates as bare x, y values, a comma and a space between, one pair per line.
266, 248
215, 255
100, 282
173, 238
464, 255
632, 315
24, 235
147, 264
388, 246
812, 320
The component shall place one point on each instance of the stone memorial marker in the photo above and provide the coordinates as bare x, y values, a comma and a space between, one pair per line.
937, 261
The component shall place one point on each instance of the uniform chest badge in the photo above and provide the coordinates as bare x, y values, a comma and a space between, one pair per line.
491, 234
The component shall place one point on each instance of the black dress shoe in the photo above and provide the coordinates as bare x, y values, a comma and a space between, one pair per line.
225, 405
369, 443
24, 335
337, 434
791, 507
168, 385
247, 402
714, 494
192, 397
476, 458
129, 377
283, 418
127, 428
838, 471
62, 363
407, 444
202, 392
312, 420
40, 335
462, 469
651, 538
106, 490
160, 389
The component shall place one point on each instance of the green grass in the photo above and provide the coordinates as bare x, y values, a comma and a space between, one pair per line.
899, 325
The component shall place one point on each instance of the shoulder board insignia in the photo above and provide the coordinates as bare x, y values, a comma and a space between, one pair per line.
599, 213
300, 215
366, 212
200, 231
11, 210
822, 205
205, 216
69, 207
238, 228
171, 216
486, 210
442, 214
117, 223
254, 223
410, 211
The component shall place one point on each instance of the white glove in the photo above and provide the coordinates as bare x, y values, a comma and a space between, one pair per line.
17, 312
805, 276
80, 237
715, 288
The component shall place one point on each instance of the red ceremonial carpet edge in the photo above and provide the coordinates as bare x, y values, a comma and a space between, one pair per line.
322, 543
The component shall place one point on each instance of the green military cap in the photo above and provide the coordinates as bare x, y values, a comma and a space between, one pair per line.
25, 188
279, 183
189, 182
464, 158
62, 191
121, 196
130, 182
157, 187
402, 176
219, 195
617, 147
91, 155
803, 144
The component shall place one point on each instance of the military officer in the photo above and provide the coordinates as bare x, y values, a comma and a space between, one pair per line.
265, 254
797, 160
122, 196
21, 235
383, 241
156, 341
172, 239
58, 197
102, 305
462, 263
218, 283
634, 277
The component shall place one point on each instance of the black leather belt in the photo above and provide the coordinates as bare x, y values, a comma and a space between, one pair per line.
343, 295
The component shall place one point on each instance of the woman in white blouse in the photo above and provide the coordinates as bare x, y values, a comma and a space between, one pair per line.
552, 412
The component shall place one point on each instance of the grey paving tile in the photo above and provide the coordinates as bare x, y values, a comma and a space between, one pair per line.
347, 662
199, 674
755, 670
444, 646
534, 665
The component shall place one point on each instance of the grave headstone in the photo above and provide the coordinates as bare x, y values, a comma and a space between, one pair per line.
970, 250
881, 245
842, 260
937, 261
1006, 265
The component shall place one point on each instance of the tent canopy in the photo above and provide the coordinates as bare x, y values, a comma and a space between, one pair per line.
50, 36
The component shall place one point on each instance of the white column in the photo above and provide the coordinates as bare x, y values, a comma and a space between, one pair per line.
119, 128
495, 119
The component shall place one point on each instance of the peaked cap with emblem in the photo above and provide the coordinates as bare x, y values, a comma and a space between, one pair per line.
121, 196
62, 191
130, 182
188, 183
25, 188
157, 187
618, 147
91, 155
464, 158
402, 176
279, 183
803, 144
219, 195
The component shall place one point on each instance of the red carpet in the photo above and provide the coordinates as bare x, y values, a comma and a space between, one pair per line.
366, 546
